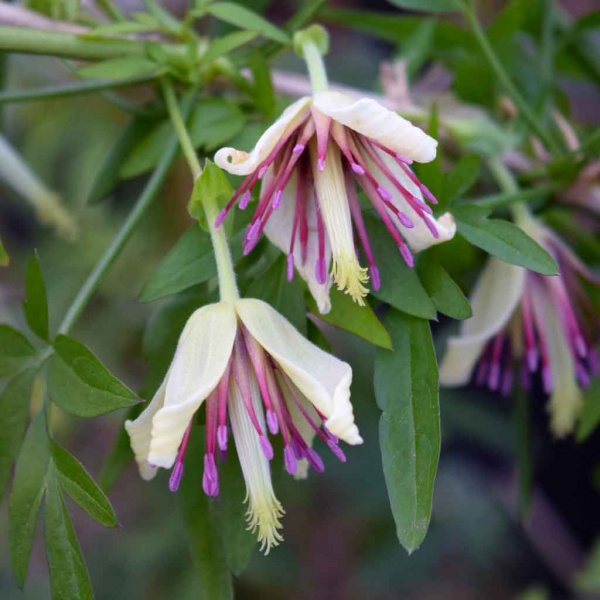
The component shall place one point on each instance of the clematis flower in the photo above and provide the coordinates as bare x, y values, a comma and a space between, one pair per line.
308, 162
256, 374
547, 324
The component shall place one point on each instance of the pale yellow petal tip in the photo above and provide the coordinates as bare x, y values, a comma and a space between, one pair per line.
564, 408
350, 277
226, 158
264, 520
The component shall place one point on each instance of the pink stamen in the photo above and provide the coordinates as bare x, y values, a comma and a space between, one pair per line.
266, 447
222, 437
298, 148
336, 450
177, 472
290, 460
210, 477
290, 267
245, 199
272, 423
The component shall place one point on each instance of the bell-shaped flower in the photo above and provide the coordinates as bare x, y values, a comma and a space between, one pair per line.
308, 162
256, 374
546, 324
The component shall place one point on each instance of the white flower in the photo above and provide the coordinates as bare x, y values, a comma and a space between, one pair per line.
308, 161
541, 321
238, 358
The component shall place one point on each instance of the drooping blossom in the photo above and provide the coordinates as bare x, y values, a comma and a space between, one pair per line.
308, 162
256, 375
547, 325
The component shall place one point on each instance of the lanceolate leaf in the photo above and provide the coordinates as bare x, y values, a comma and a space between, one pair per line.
36, 301
26, 496
68, 574
503, 239
406, 389
15, 350
14, 408
428, 5
80, 384
76, 482
359, 320
120, 68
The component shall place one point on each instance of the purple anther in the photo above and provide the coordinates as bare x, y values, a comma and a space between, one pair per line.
407, 255
336, 450
222, 436
298, 149
404, 159
321, 271
405, 220
494, 376
277, 199
357, 168
581, 346
532, 359
266, 447
253, 230
375, 279
290, 460
290, 267
245, 199
272, 422
262, 171
176, 475
210, 477
384, 193
314, 460
547, 379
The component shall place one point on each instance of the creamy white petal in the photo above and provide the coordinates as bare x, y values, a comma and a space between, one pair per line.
279, 230
566, 400
140, 431
202, 355
418, 237
323, 379
238, 162
371, 119
494, 301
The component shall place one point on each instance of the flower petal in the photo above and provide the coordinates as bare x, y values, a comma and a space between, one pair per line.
418, 237
203, 351
494, 300
279, 231
323, 379
371, 119
238, 162
140, 432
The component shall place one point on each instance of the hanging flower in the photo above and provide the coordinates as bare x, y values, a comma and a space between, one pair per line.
308, 162
547, 324
256, 374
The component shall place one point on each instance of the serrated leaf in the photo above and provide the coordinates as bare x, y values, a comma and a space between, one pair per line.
80, 384
68, 574
76, 481
15, 350
35, 304
590, 415
503, 239
285, 296
201, 527
434, 6
442, 289
400, 285
14, 409
120, 68
244, 18
26, 496
359, 320
406, 389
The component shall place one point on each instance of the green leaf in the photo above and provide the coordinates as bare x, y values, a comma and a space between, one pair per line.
285, 296
230, 513
442, 289
205, 540
400, 285
264, 94
107, 175
406, 389
15, 350
4, 258
80, 384
14, 409
120, 68
76, 482
212, 183
503, 239
122, 28
348, 315
69, 579
26, 496
462, 177
35, 304
435, 6
244, 18
590, 415
226, 44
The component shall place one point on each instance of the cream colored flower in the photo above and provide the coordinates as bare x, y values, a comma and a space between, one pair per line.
308, 161
256, 374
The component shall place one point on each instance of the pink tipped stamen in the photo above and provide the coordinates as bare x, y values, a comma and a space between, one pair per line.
406, 255
432, 228
244, 200
222, 437
583, 375
405, 220
272, 422
321, 271
277, 199
546, 377
375, 277
314, 460
290, 460
357, 168
321, 163
210, 477
339, 453
384, 193
404, 159
177, 472
298, 148
260, 365
425, 191
262, 171
266, 447
290, 267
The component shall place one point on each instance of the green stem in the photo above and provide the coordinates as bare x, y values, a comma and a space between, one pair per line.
316, 67
508, 184
226, 272
522, 104
112, 252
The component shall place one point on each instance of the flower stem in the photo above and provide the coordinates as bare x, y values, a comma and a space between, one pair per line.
112, 252
522, 104
227, 283
508, 184
316, 66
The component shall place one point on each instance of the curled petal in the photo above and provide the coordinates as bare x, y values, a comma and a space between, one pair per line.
238, 162
494, 300
203, 351
371, 119
323, 379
